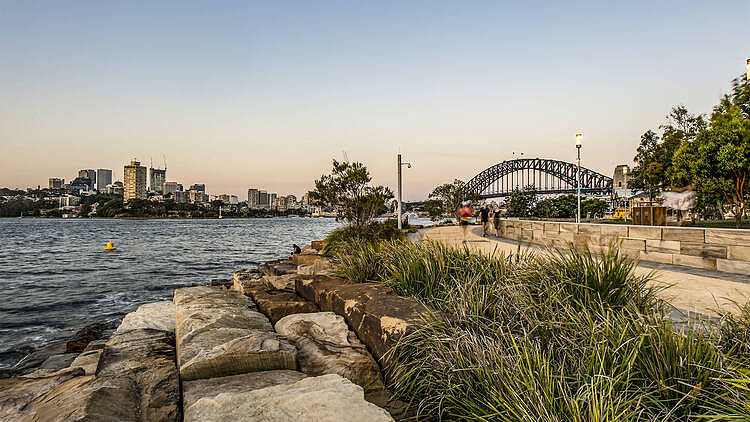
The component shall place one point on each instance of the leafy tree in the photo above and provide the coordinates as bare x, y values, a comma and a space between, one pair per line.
594, 207
521, 202
655, 154
434, 208
450, 195
718, 161
347, 190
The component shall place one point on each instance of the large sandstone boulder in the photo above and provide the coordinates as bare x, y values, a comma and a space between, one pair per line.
136, 381
17, 393
274, 295
193, 391
328, 398
219, 332
156, 315
378, 315
326, 346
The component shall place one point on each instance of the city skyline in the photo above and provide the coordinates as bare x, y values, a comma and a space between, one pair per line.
250, 94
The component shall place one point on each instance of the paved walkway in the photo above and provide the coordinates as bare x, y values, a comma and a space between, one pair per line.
688, 289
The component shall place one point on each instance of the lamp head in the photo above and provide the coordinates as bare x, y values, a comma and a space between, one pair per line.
747, 66
408, 165
579, 140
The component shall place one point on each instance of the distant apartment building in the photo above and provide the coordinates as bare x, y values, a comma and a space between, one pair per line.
91, 175
103, 178
252, 198
181, 197
56, 183
229, 199
135, 181
273, 200
281, 203
157, 177
197, 197
198, 187
263, 200
171, 187
305, 200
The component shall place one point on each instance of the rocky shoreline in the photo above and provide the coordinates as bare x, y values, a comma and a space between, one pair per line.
288, 340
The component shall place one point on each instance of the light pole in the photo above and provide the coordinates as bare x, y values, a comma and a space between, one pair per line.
625, 172
579, 142
747, 66
399, 164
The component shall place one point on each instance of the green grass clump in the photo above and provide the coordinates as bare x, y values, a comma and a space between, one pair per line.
341, 240
554, 336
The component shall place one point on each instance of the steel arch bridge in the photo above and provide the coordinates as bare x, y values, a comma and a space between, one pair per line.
547, 176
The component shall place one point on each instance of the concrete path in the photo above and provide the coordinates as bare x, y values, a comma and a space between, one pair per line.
689, 289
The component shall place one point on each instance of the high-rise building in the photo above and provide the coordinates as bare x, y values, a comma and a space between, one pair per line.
157, 177
55, 183
198, 187
103, 178
181, 197
135, 181
263, 200
91, 175
273, 200
252, 198
171, 187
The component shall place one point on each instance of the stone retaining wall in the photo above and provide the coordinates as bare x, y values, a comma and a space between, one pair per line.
725, 250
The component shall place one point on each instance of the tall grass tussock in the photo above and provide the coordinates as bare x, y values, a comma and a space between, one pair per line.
563, 335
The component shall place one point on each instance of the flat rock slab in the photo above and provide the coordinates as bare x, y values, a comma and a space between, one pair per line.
137, 381
278, 267
209, 388
156, 315
378, 315
328, 398
16, 394
326, 346
219, 333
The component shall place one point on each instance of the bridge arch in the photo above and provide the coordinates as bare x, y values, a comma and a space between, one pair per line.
547, 176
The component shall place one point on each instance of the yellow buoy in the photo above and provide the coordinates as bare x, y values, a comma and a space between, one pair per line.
109, 247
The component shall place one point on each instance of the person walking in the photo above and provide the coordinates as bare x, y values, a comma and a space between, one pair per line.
465, 213
484, 214
496, 219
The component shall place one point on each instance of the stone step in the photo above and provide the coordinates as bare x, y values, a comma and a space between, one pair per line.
278, 267
220, 332
327, 398
274, 295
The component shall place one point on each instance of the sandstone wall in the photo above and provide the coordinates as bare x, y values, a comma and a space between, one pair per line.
725, 250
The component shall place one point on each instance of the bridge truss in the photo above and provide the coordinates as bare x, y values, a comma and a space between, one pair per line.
547, 176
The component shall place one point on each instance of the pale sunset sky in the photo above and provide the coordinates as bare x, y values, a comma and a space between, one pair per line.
264, 94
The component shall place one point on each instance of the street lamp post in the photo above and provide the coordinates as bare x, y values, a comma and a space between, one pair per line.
625, 173
579, 142
399, 164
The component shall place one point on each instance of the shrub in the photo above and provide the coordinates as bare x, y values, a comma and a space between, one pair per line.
341, 240
554, 336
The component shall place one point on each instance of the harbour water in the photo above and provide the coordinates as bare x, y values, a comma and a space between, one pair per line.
55, 276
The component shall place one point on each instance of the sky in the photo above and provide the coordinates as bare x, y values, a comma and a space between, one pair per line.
265, 94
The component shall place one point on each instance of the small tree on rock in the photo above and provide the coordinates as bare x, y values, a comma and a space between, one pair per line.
347, 191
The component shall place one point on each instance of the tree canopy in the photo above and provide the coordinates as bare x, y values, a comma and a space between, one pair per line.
450, 196
347, 190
